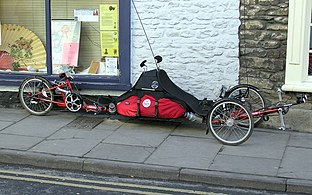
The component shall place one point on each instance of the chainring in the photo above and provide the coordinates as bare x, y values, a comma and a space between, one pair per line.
73, 102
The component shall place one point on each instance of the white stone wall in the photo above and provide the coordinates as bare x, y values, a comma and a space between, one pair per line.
198, 40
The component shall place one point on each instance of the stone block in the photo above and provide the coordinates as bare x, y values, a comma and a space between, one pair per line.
299, 186
254, 24
277, 27
234, 180
131, 169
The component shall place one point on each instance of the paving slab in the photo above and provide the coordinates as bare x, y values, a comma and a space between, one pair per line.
65, 133
66, 147
120, 152
246, 165
109, 124
188, 152
301, 140
192, 129
297, 163
147, 134
149, 124
261, 145
12, 114
84, 122
40, 126
18, 142
71, 133
4, 124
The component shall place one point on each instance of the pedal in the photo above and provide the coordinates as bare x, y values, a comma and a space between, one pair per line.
265, 117
301, 98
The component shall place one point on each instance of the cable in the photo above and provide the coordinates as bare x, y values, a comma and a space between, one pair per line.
150, 46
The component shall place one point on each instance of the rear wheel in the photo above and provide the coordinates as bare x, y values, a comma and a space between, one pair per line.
35, 95
250, 97
225, 121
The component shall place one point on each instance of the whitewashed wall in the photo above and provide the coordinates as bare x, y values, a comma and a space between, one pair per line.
198, 40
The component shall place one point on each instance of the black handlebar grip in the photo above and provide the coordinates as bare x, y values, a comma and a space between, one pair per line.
143, 64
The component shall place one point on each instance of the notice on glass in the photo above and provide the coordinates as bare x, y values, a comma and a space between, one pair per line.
109, 17
86, 15
109, 43
111, 66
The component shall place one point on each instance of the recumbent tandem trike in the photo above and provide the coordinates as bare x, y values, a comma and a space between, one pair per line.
231, 117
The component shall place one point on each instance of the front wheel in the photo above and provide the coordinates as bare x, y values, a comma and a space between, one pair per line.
230, 122
35, 95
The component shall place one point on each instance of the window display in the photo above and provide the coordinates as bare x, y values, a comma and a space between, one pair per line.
90, 30
22, 38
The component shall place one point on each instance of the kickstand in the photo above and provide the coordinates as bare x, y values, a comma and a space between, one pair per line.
281, 116
280, 111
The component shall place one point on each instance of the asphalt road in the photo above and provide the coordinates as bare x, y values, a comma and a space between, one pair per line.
28, 180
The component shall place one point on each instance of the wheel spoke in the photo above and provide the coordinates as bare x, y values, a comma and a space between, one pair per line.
225, 122
32, 92
250, 98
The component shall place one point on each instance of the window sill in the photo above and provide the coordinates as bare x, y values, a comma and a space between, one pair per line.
298, 87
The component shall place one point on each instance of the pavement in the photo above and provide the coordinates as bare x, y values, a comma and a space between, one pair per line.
175, 150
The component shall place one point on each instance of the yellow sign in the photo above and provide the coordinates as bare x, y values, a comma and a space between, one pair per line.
109, 17
109, 43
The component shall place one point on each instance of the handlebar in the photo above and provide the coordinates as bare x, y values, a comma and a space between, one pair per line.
66, 72
157, 59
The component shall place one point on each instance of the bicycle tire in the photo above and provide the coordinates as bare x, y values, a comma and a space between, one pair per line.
35, 96
250, 97
224, 120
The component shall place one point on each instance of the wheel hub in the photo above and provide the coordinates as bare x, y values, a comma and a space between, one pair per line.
229, 122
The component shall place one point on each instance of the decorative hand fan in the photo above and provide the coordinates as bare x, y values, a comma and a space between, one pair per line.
21, 49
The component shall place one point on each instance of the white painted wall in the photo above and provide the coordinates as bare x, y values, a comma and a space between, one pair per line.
198, 40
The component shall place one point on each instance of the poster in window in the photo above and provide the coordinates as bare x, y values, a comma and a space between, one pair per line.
109, 17
65, 42
109, 43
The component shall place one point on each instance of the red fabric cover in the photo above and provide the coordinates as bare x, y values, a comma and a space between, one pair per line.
166, 107
128, 107
147, 106
169, 109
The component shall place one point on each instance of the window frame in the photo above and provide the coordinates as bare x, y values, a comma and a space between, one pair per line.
102, 82
298, 46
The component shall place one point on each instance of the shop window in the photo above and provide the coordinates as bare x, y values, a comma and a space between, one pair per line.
298, 76
91, 37
85, 36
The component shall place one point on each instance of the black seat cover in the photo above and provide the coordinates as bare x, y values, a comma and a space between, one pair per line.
142, 86
158, 81
180, 94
